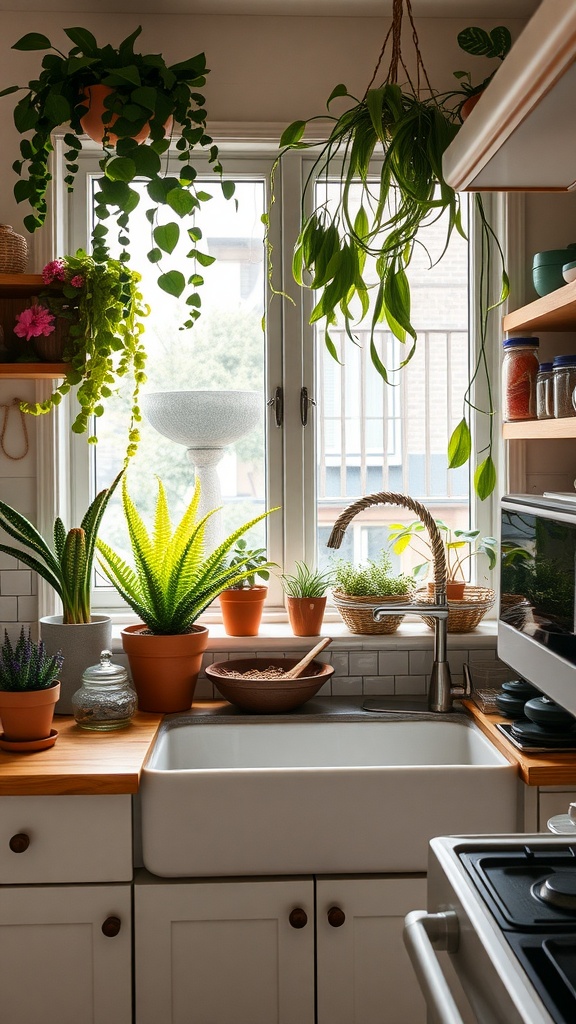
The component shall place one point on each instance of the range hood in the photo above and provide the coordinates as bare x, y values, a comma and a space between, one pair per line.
521, 135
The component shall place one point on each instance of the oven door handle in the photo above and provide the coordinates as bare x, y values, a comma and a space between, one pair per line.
423, 934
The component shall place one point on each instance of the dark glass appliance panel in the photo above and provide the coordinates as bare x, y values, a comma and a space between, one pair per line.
537, 579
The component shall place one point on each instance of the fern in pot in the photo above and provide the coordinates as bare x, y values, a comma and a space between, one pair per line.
358, 589
29, 689
170, 582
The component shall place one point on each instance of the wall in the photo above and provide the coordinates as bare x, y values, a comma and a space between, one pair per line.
264, 70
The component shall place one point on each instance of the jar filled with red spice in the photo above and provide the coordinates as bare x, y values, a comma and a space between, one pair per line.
519, 369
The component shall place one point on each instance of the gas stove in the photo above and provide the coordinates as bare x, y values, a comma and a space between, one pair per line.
504, 907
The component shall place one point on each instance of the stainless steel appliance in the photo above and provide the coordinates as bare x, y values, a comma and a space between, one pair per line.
537, 617
504, 910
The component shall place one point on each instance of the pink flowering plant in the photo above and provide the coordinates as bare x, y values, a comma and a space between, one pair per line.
105, 307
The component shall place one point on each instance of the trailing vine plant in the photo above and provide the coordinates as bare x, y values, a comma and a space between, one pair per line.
409, 128
143, 94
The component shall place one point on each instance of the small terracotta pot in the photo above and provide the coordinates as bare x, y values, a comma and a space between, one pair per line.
242, 610
306, 615
27, 714
454, 589
469, 104
93, 125
164, 668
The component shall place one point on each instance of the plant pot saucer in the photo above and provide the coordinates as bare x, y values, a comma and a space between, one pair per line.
29, 745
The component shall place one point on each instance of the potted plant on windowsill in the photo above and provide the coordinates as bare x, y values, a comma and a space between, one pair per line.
243, 604
67, 567
354, 249
101, 306
358, 589
170, 584
468, 603
142, 95
305, 591
29, 689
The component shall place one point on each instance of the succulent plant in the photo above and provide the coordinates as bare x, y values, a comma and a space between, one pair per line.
68, 566
27, 666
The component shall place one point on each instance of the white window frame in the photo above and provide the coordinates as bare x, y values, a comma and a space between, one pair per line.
291, 464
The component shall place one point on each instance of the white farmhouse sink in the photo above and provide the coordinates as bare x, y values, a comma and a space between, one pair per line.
296, 797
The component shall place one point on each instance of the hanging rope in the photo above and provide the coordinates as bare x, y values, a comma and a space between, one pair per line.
396, 59
15, 403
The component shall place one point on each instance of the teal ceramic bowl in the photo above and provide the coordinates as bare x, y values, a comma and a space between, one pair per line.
548, 266
569, 272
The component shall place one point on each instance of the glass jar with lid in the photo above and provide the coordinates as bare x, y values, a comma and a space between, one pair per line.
519, 369
544, 392
564, 382
105, 699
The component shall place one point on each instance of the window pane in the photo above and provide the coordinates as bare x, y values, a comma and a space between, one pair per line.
374, 436
224, 351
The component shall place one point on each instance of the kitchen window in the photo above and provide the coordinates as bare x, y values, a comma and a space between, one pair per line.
330, 431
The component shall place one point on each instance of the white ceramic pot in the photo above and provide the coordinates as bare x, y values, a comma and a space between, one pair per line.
81, 644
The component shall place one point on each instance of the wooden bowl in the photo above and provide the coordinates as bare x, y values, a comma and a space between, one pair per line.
267, 696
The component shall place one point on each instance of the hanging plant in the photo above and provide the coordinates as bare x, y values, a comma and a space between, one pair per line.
103, 308
409, 129
144, 103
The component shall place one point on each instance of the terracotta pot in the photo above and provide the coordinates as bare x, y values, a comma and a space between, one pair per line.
164, 668
27, 715
92, 123
81, 644
306, 615
454, 589
469, 104
242, 610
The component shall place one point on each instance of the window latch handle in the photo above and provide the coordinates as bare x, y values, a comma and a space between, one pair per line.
277, 404
305, 403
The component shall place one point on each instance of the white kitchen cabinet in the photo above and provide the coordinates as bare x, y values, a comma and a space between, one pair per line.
65, 954
230, 951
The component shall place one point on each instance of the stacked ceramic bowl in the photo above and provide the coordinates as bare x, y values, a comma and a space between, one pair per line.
548, 268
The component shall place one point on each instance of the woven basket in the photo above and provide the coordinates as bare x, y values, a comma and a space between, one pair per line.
357, 612
13, 251
463, 616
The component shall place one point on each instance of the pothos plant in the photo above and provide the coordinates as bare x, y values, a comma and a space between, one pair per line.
143, 91
103, 307
375, 222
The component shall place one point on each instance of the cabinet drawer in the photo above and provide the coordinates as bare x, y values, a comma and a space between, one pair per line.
65, 839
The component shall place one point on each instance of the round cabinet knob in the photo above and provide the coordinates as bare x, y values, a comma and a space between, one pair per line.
298, 918
336, 917
19, 843
111, 927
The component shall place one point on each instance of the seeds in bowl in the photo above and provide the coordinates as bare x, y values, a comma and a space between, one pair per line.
272, 672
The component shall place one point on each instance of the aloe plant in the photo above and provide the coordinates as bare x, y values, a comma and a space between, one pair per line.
173, 581
67, 567
27, 666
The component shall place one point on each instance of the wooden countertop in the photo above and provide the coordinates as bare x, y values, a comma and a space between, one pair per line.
534, 769
81, 761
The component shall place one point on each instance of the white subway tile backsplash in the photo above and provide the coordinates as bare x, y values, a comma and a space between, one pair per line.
8, 609
363, 663
393, 663
339, 659
410, 684
21, 493
420, 662
379, 685
27, 608
345, 685
15, 583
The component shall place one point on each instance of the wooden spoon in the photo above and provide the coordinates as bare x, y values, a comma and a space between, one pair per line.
293, 673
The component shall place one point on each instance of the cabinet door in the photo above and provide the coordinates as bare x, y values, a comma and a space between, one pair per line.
57, 965
224, 952
364, 973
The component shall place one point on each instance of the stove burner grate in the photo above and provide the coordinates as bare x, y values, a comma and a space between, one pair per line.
558, 889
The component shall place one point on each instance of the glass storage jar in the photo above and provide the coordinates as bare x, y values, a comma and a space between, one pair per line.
519, 369
544, 392
564, 382
105, 699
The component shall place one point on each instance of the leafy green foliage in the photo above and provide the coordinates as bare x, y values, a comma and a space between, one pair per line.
105, 337
458, 546
252, 560
145, 92
480, 43
68, 565
172, 581
306, 581
374, 579
26, 665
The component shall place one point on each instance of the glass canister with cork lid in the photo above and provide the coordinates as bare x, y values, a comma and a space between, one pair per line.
105, 699
519, 369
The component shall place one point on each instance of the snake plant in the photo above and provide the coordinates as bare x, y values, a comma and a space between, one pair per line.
173, 581
26, 665
67, 567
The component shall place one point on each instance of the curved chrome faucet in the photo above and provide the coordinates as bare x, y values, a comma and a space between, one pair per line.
441, 691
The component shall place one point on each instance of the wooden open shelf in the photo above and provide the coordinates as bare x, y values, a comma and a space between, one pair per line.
533, 429
33, 371
553, 312
20, 284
